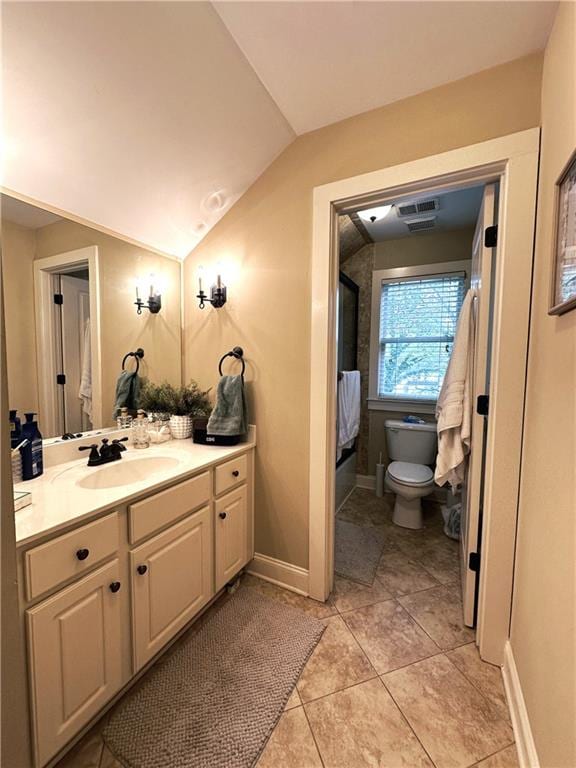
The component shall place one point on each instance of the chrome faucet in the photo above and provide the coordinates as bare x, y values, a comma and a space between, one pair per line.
108, 451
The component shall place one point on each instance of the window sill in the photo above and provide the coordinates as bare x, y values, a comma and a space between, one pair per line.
403, 405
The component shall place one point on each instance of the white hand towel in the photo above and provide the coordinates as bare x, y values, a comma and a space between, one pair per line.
348, 409
85, 391
454, 406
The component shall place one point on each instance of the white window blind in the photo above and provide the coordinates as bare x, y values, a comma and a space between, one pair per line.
418, 318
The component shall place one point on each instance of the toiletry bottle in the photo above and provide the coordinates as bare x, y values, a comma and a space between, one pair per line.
140, 436
15, 440
15, 429
32, 464
124, 420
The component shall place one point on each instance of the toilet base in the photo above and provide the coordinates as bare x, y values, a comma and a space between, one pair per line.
408, 513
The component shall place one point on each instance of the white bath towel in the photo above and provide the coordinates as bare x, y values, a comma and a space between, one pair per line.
348, 410
454, 406
85, 391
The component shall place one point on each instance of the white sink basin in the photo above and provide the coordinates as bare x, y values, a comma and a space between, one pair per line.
124, 472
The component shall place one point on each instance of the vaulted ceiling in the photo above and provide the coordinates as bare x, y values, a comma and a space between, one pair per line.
152, 118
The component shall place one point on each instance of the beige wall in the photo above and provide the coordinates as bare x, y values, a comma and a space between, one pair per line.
122, 329
18, 247
543, 634
429, 248
266, 236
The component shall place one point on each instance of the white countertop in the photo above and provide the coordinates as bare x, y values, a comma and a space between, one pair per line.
58, 499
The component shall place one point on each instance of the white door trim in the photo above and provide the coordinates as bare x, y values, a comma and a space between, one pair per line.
513, 160
46, 336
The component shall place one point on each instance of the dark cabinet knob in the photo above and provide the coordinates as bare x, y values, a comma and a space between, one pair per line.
235, 473
115, 586
142, 569
82, 554
222, 515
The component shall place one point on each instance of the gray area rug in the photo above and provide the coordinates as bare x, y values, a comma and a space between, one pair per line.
216, 699
357, 551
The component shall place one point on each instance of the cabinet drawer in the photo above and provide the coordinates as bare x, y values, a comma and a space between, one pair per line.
163, 508
230, 474
70, 555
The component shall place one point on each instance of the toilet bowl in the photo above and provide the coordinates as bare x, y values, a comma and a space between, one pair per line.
412, 449
410, 482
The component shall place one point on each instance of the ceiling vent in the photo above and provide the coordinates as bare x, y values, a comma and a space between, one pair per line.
419, 225
422, 206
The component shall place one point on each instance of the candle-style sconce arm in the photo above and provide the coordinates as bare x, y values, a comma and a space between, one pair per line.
154, 304
217, 297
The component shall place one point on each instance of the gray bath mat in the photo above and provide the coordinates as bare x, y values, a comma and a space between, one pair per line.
216, 699
357, 551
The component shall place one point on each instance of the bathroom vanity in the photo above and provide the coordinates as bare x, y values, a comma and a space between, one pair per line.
114, 562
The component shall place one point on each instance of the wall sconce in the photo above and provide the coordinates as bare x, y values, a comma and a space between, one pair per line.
217, 292
153, 303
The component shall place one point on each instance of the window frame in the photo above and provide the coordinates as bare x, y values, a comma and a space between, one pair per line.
445, 269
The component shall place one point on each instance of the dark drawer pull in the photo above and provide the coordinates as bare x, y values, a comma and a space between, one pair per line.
142, 569
222, 515
82, 554
236, 473
115, 586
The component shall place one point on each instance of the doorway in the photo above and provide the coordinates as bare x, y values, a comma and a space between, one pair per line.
512, 163
66, 290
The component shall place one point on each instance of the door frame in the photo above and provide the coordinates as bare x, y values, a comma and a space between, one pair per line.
46, 351
512, 161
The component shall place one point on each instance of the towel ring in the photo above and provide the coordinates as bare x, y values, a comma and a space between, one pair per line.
237, 353
138, 355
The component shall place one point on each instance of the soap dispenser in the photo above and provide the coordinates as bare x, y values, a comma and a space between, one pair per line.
32, 462
139, 430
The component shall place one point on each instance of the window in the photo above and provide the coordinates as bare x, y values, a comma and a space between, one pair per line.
418, 317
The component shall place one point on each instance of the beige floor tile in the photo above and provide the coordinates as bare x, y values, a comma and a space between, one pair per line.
291, 744
87, 753
362, 726
337, 662
348, 595
440, 557
486, 677
293, 701
455, 723
506, 758
365, 508
439, 613
402, 576
388, 636
305, 604
108, 760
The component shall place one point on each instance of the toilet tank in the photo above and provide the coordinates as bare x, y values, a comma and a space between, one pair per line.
411, 442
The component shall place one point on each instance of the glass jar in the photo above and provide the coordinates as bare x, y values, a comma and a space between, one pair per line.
159, 427
124, 420
139, 431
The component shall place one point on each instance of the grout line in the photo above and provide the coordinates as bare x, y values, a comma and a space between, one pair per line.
474, 685
405, 718
341, 690
313, 735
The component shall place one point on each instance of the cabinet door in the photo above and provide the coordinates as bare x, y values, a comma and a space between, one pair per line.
74, 647
231, 535
171, 582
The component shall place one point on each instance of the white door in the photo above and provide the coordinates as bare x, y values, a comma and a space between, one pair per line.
75, 312
74, 650
231, 535
171, 582
472, 492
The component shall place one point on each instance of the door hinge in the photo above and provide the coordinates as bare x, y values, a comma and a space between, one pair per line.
474, 561
483, 405
60, 378
58, 298
491, 236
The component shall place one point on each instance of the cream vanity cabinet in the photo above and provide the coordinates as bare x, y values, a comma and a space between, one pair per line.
102, 600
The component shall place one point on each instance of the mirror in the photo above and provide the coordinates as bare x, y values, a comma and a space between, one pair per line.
72, 318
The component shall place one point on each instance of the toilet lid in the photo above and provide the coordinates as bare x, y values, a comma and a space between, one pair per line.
413, 474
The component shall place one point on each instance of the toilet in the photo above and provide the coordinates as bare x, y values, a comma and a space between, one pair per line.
412, 449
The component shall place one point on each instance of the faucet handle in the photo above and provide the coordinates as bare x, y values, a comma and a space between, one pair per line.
118, 442
94, 456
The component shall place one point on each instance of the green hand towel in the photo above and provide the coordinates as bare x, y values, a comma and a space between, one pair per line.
127, 392
229, 414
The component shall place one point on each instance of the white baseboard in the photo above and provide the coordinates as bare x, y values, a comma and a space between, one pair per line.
278, 572
527, 755
366, 481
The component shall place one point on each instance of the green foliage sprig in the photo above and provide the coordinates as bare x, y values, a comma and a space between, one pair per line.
188, 400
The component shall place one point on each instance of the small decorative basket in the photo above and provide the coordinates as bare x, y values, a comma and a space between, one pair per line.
159, 427
181, 427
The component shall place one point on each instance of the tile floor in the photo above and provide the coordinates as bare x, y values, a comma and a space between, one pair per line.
396, 681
